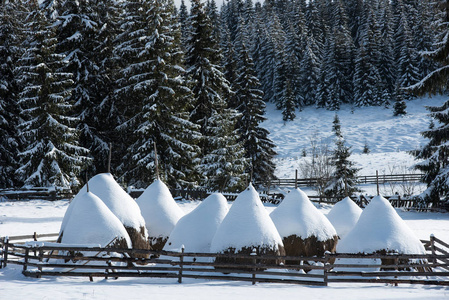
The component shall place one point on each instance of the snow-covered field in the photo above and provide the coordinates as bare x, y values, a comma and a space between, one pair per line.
388, 138
26, 217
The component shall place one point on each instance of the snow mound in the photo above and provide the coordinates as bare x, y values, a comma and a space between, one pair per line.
90, 221
344, 215
380, 228
196, 229
247, 224
116, 199
296, 215
159, 209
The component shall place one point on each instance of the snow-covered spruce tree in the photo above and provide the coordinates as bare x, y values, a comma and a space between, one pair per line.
343, 181
223, 162
84, 40
399, 107
52, 156
406, 54
328, 88
11, 15
152, 81
288, 102
435, 154
258, 146
310, 71
183, 16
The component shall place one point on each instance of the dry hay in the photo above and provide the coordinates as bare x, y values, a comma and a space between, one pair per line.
157, 243
138, 241
297, 246
387, 262
260, 251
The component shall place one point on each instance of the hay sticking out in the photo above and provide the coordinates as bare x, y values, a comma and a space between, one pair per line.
157, 243
259, 251
138, 240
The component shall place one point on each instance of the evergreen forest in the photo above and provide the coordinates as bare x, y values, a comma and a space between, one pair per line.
145, 78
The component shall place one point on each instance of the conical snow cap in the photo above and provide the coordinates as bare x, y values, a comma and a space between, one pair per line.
247, 224
196, 229
296, 215
344, 215
91, 222
380, 228
116, 199
159, 209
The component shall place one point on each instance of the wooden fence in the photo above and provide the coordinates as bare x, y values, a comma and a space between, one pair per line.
370, 179
40, 259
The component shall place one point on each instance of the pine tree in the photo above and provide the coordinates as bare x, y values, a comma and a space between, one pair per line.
258, 147
153, 79
435, 154
52, 156
223, 161
399, 107
183, 20
288, 102
406, 54
10, 49
81, 34
310, 72
343, 181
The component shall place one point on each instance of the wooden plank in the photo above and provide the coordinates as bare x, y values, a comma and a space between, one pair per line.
441, 242
391, 281
249, 279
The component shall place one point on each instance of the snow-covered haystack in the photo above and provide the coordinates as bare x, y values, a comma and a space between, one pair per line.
344, 215
196, 229
89, 221
381, 230
160, 211
247, 226
304, 229
122, 206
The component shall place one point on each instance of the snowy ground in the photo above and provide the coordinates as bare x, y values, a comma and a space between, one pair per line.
26, 217
388, 138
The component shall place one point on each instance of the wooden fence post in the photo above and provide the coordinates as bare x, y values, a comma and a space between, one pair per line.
41, 259
254, 253
181, 260
5, 254
25, 265
326, 267
432, 248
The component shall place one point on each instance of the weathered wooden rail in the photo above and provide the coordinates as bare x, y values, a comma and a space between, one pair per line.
39, 259
369, 179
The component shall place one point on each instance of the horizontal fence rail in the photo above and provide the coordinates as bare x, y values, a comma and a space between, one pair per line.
369, 179
41, 258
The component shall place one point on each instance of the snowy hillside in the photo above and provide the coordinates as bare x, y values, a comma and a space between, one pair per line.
388, 138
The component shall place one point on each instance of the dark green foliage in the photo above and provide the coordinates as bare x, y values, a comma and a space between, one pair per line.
152, 79
343, 181
435, 154
52, 155
11, 15
399, 107
223, 163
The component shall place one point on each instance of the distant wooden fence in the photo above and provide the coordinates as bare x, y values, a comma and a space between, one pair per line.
40, 259
370, 179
